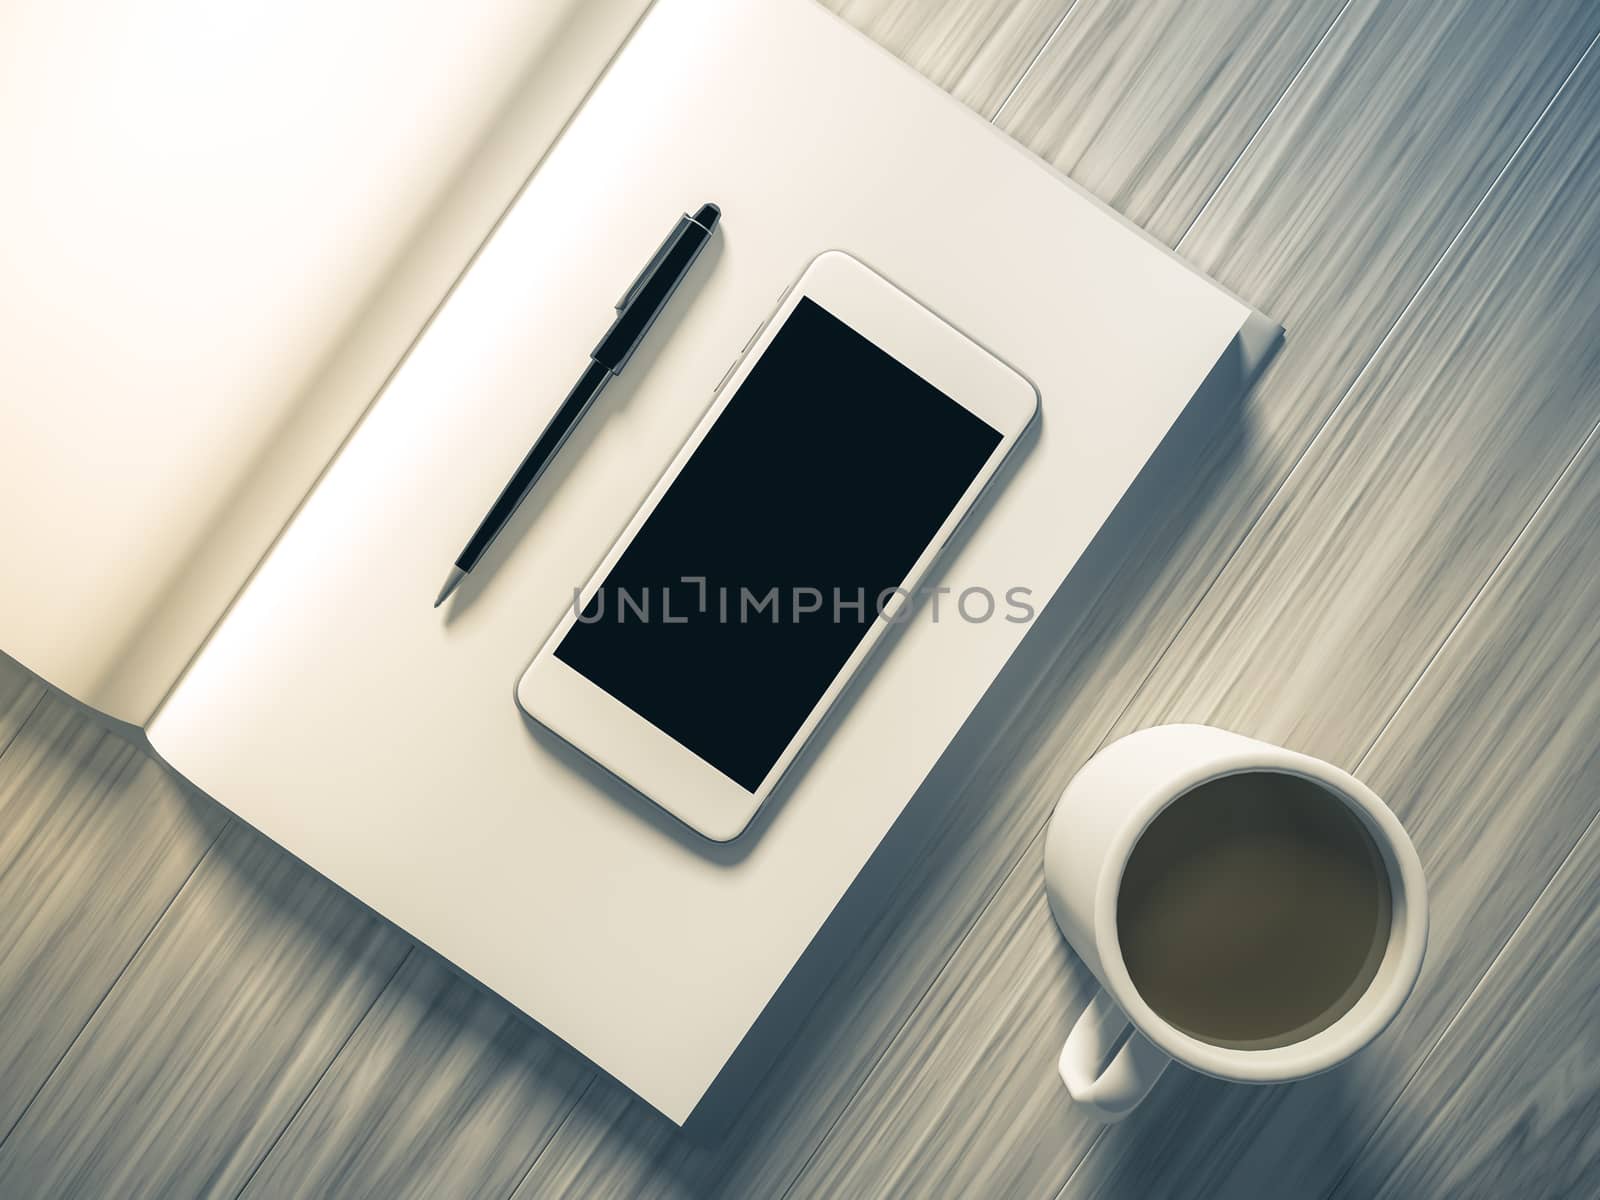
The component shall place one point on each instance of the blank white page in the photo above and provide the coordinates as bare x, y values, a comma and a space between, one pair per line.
220, 226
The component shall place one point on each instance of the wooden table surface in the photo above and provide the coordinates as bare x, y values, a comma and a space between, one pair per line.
1388, 555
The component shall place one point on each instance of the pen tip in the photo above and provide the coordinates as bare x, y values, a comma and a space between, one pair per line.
707, 216
456, 576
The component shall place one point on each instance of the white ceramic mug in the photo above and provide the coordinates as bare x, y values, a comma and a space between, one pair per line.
1097, 822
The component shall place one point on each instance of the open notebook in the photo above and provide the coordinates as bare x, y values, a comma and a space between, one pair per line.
221, 228
237, 225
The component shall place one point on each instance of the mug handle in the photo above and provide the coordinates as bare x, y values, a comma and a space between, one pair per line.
1114, 1092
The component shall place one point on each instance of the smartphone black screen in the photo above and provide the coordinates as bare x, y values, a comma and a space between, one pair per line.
766, 561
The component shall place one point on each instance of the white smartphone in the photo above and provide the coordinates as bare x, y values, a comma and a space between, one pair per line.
839, 455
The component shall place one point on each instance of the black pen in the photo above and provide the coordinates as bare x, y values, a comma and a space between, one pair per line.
640, 305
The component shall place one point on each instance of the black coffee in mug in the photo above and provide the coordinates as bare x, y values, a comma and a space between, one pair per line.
1254, 910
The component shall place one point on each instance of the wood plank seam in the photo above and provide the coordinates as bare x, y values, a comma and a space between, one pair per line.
1034, 61
1265, 121
554, 1134
23, 724
1421, 289
1478, 595
323, 1074
122, 971
1460, 1013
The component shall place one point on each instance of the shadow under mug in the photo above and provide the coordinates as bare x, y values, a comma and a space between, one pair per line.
1098, 821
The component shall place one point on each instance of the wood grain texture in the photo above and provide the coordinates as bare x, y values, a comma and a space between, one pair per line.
1416, 486
1492, 765
20, 694
977, 50
1148, 105
1509, 1104
444, 1090
218, 1030
95, 840
1506, 1103
1432, 447
958, 1097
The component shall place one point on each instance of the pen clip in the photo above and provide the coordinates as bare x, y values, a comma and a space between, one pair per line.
632, 294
